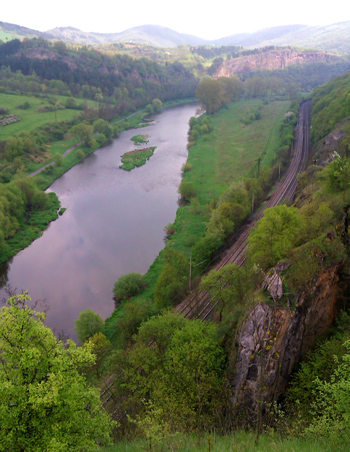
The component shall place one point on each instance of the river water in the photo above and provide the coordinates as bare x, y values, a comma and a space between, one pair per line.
113, 224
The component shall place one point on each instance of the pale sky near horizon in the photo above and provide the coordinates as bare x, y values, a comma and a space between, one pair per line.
207, 20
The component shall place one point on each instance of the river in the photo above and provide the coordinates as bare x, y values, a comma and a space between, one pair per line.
113, 224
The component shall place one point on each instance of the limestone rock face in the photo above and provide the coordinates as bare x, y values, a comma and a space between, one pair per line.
276, 59
274, 339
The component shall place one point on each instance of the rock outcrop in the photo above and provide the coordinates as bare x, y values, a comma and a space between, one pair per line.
274, 339
276, 59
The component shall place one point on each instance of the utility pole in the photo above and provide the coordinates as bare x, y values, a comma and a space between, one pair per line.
191, 271
259, 160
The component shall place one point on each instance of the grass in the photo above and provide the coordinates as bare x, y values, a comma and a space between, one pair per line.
31, 119
136, 158
238, 442
227, 155
31, 228
138, 139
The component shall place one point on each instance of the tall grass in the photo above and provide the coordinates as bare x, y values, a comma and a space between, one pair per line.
237, 442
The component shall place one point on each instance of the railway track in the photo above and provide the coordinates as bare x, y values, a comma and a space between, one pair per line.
198, 304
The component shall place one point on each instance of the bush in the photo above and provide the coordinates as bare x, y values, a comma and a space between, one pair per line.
186, 189
88, 324
128, 286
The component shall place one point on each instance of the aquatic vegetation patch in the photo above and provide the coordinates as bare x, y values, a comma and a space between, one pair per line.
138, 157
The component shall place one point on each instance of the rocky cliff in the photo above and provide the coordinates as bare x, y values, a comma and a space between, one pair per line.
276, 59
274, 339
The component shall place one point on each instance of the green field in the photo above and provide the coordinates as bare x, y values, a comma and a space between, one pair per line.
234, 150
32, 119
229, 154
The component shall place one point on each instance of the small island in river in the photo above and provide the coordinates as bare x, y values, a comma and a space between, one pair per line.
138, 157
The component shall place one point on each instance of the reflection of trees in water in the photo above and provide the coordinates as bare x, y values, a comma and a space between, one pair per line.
4, 269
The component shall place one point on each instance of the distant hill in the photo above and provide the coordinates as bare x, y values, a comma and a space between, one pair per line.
334, 38
148, 34
259, 38
12, 31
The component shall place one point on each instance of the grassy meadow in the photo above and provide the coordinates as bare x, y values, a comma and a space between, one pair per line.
31, 118
227, 154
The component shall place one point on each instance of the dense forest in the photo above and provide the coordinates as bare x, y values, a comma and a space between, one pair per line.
147, 373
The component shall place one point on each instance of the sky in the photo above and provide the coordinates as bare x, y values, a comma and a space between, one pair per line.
206, 19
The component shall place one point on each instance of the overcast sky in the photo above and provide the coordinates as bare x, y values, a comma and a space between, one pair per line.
205, 19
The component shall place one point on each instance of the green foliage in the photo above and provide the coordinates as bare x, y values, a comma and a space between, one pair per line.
157, 105
214, 93
274, 235
339, 173
123, 325
140, 139
84, 132
330, 105
88, 324
177, 378
228, 287
186, 189
128, 286
102, 126
319, 366
173, 279
186, 167
46, 404
332, 401
80, 154
58, 159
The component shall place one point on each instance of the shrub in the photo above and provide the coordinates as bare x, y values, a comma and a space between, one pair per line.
128, 286
88, 324
186, 189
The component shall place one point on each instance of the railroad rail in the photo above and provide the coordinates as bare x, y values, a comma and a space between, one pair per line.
198, 304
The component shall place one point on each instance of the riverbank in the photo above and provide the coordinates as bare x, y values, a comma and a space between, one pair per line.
31, 228
226, 152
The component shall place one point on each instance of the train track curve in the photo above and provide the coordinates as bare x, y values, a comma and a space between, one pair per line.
198, 304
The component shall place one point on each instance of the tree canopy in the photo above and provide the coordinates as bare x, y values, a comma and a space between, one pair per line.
45, 404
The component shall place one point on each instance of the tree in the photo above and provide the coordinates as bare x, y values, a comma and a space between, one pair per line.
228, 286
173, 280
275, 235
128, 286
209, 94
45, 404
58, 159
189, 386
102, 126
83, 132
157, 105
332, 401
88, 324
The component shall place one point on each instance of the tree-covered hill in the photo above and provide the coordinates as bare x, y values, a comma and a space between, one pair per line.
128, 80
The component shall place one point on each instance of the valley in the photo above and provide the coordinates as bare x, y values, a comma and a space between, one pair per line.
179, 207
